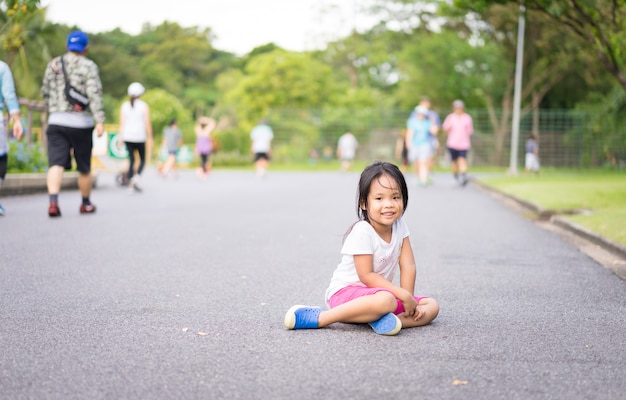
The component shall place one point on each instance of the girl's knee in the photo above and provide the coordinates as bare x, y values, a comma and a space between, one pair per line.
431, 307
387, 301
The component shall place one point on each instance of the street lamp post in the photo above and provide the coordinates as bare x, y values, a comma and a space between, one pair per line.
518, 90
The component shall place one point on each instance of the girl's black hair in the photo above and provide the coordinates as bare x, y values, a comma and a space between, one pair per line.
371, 173
375, 171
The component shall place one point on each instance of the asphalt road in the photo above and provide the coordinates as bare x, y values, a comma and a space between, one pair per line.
180, 292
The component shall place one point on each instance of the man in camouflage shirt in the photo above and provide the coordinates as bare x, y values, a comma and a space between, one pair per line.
70, 127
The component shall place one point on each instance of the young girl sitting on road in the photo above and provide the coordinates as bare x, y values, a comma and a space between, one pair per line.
362, 289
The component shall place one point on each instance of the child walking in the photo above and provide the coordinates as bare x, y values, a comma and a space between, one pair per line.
374, 249
204, 145
532, 154
172, 140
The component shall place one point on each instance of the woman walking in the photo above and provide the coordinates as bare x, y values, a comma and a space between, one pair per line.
204, 144
459, 127
136, 132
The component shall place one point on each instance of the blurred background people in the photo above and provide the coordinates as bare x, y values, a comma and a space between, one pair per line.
262, 135
532, 154
418, 142
204, 144
402, 153
136, 132
8, 96
172, 140
459, 126
346, 150
435, 123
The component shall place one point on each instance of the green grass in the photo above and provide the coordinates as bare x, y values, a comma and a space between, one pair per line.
602, 192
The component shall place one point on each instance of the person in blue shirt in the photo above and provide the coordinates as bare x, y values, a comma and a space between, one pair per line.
419, 143
8, 96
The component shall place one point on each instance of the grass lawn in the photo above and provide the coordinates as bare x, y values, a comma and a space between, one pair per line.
604, 193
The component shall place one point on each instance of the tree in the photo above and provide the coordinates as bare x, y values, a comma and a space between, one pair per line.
23, 30
280, 79
117, 68
366, 59
163, 107
600, 24
15, 26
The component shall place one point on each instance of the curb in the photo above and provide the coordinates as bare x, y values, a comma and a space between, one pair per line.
589, 235
16, 184
561, 222
529, 206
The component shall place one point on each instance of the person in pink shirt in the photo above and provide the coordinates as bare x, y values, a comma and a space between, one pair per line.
459, 127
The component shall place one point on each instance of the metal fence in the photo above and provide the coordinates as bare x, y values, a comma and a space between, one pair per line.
567, 138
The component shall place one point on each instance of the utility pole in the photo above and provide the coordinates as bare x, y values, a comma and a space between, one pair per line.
519, 61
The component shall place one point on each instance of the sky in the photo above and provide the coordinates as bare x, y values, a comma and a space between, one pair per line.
239, 25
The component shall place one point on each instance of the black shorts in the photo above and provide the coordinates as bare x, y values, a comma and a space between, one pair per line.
456, 154
4, 159
62, 139
261, 156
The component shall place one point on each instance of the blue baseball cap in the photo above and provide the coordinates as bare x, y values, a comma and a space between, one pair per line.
77, 41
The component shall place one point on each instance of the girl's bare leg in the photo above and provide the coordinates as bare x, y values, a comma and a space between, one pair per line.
360, 310
429, 308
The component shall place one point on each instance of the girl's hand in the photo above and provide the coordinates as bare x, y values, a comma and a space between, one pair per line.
409, 304
418, 313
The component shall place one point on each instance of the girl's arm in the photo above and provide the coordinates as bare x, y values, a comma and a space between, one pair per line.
365, 269
407, 278
407, 266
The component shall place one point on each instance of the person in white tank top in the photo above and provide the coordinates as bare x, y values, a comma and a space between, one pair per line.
136, 132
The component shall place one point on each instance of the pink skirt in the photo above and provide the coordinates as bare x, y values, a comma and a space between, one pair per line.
353, 292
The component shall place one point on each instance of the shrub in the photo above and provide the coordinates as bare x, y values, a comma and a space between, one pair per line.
26, 158
231, 159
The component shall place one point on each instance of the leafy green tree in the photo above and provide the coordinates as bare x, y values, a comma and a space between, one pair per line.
279, 79
599, 24
117, 68
366, 59
182, 54
446, 67
551, 54
163, 107
283, 87
257, 51
23, 29
16, 25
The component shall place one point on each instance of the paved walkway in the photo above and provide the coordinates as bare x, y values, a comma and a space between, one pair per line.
180, 292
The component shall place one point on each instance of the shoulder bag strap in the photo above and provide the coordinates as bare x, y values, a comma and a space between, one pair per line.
67, 83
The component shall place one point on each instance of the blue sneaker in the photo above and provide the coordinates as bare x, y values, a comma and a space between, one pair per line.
388, 325
302, 317
1, 210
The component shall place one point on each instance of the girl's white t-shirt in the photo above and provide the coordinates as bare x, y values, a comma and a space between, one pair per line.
134, 129
363, 239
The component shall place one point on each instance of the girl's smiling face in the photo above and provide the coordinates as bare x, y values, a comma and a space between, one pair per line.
384, 204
